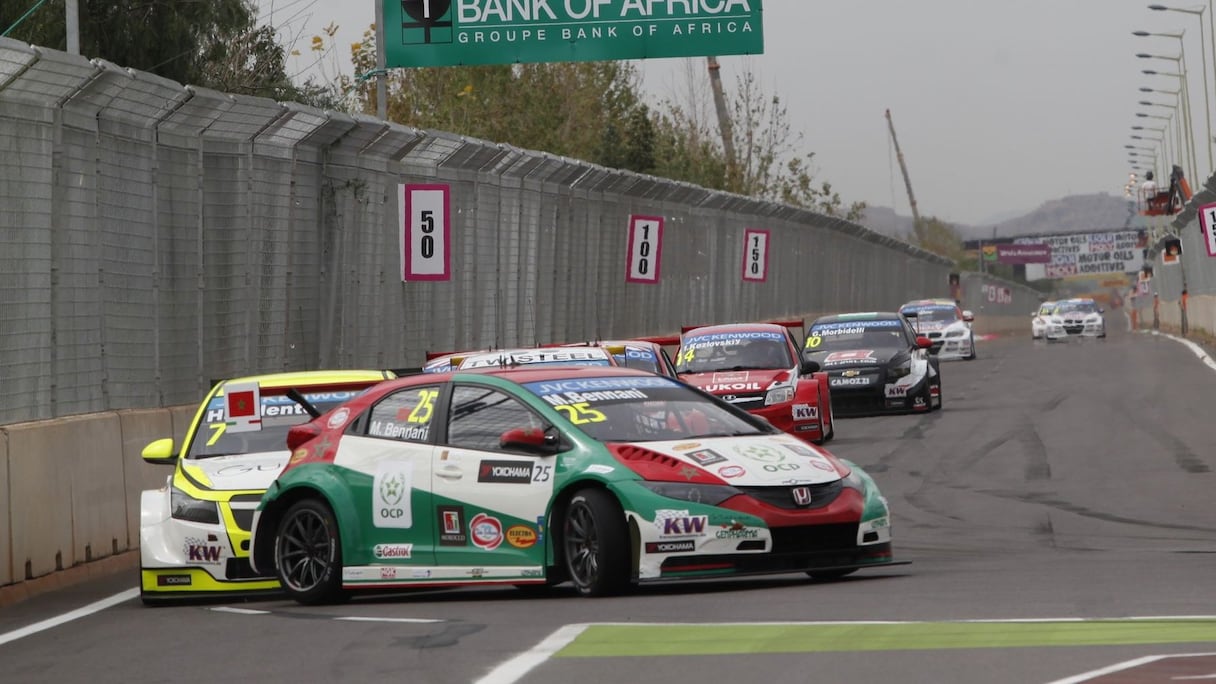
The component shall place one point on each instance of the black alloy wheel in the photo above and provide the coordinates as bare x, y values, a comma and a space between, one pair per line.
596, 543
308, 554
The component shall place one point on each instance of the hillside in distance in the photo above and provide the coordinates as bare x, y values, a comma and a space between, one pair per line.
1072, 214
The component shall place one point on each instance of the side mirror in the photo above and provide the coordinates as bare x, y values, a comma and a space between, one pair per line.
530, 440
807, 367
968, 316
160, 452
924, 342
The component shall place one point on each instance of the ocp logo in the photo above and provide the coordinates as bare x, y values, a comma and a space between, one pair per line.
392, 489
426, 21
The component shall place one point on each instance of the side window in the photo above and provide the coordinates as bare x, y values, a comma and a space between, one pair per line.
406, 416
479, 416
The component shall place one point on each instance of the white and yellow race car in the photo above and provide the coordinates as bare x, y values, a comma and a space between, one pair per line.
194, 531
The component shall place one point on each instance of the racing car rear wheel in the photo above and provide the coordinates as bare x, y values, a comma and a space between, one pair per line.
308, 555
596, 543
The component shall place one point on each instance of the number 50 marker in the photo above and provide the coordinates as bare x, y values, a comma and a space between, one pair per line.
425, 232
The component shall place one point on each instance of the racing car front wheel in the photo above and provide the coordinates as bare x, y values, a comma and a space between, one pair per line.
307, 554
596, 543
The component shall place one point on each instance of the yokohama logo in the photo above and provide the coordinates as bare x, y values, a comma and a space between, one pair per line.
513, 472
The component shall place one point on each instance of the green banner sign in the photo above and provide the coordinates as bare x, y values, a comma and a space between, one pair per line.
421, 33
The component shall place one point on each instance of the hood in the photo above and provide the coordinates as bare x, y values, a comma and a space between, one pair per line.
239, 472
755, 460
736, 382
842, 359
931, 326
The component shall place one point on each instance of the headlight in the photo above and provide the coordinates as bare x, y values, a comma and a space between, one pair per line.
901, 369
711, 495
186, 507
854, 481
778, 395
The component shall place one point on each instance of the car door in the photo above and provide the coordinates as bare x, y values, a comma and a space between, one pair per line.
490, 502
386, 458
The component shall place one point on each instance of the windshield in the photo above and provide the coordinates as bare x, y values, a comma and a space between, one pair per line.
643, 409
1045, 310
641, 358
735, 351
1076, 307
882, 333
532, 357
936, 314
279, 414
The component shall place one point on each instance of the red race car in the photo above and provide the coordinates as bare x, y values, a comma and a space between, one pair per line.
757, 367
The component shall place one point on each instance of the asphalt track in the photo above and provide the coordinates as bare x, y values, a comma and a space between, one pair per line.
1059, 515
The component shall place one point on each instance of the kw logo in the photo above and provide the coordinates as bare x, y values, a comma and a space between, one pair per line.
682, 527
203, 553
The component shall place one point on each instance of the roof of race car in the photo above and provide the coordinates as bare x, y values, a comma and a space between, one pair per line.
310, 378
922, 303
524, 374
864, 316
735, 327
1075, 300
574, 355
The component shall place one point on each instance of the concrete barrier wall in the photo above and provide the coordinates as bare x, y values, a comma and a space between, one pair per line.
70, 487
6, 536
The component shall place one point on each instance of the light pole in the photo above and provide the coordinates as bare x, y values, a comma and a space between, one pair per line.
1211, 42
1208, 112
1177, 130
1160, 148
1186, 100
1186, 106
1179, 156
1165, 138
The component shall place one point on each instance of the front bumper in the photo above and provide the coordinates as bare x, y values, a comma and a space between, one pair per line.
182, 559
878, 399
803, 420
954, 348
1063, 332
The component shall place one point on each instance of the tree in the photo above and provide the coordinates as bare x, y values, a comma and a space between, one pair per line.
769, 165
215, 44
585, 110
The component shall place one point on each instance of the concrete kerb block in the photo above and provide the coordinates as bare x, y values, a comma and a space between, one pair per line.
6, 537
99, 512
139, 428
69, 508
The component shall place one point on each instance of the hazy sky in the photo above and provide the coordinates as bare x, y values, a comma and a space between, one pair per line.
999, 106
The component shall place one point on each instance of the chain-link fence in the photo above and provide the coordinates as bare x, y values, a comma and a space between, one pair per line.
157, 236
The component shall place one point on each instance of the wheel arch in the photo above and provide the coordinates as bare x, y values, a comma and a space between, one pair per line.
554, 554
321, 486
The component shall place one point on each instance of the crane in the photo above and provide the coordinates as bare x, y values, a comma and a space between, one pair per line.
917, 228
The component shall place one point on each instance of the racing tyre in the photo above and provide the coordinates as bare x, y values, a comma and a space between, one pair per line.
308, 554
596, 543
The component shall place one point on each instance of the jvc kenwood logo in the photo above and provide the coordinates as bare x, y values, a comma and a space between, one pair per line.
513, 472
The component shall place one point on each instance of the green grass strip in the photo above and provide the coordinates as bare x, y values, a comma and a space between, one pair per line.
604, 641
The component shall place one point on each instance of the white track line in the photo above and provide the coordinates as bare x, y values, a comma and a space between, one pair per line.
380, 619
239, 611
514, 669
1119, 667
49, 623
1195, 349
